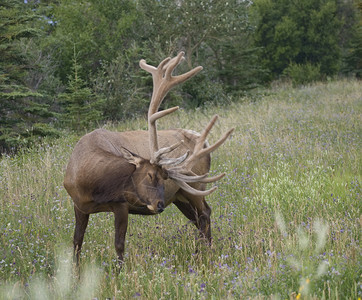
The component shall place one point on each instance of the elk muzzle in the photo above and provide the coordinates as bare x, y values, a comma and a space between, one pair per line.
155, 196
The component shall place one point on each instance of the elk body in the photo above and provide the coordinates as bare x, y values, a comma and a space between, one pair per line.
142, 172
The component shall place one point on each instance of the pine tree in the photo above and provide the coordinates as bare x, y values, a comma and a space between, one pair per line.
81, 107
353, 58
22, 116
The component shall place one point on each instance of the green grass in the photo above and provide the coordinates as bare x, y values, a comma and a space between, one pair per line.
286, 219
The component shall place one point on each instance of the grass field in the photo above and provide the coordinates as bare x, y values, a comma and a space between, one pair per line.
286, 219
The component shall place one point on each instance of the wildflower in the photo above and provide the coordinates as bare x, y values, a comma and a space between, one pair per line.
299, 295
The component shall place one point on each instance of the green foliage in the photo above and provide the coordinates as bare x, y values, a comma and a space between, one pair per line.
353, 55
99, 29
299, 32
216, 35
82, 108
200, 91
303, 74
21, 110
119, 82
239, 68
240, 44
353, 59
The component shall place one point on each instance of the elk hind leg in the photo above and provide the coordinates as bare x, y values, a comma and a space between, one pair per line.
81, 222
198, 214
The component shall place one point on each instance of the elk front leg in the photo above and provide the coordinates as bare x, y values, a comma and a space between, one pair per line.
120, 224
81, 222
198, 214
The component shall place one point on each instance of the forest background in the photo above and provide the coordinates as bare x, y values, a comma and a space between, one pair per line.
73, 65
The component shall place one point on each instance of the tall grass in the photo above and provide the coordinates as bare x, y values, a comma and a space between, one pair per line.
286, 219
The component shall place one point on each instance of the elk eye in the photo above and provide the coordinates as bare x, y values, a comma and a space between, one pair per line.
150, 176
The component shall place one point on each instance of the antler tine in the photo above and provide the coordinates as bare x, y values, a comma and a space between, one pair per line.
214, 146
146, 67
172, 64
151, 69
154, 117
170, 148
200, 150
163, 64
171, 161
172, 60
193, 191
183, 77
213, 179
186, 178
201, 140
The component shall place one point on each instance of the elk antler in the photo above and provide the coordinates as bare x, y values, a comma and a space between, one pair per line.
181, 172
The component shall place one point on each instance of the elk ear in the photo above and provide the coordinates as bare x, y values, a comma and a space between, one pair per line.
132, 158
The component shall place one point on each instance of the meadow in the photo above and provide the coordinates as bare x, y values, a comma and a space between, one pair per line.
286, 219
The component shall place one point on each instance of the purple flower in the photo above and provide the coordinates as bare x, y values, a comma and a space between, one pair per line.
202, 286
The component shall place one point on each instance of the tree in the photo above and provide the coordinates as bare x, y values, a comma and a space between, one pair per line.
351, 37
214, 34
298, 32
81, 106
100, 29
121, 83
23, 117
353, 59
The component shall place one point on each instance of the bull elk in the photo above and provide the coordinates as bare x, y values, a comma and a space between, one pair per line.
142, 172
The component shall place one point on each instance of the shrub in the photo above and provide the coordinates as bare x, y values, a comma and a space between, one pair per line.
303, 73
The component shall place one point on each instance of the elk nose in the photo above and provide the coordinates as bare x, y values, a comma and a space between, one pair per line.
160, 207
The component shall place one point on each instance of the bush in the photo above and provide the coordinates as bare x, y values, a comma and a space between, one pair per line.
201, 91
303, 73
117, 82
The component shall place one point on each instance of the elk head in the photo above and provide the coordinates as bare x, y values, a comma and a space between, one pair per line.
146, 184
